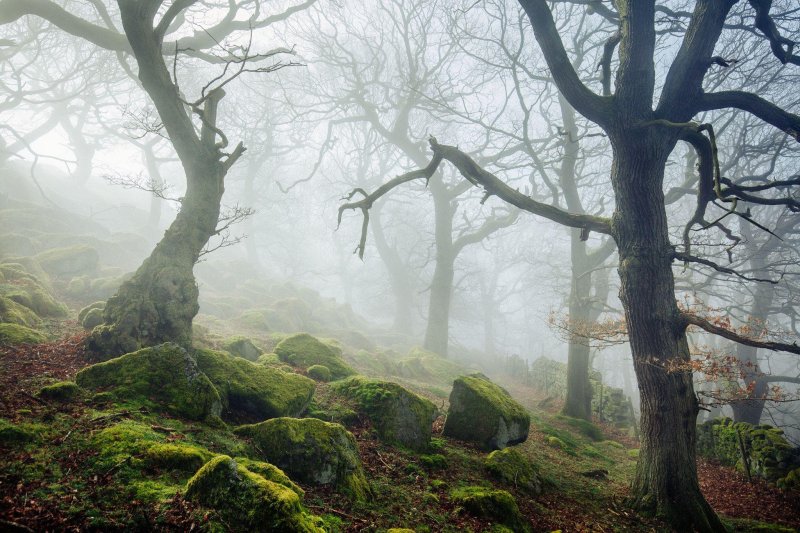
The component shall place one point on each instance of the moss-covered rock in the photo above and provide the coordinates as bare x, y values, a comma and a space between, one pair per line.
13, 334
513, 468
92, 319
242, 347
166, 375
13, 313
31, 294
304, 351
69, 261
270, 472
252, 392
63, 391
100, 305
483, 412
399, 415
319, 373
11, 434
247, 501
496, 505
311, 451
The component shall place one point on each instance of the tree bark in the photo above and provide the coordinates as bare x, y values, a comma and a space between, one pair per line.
666, 475
578, 401
437, 331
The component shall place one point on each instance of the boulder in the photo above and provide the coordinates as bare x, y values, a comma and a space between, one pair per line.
69, 261
303, 350
12, 334
166, 375
242, 347
496, 505
512, 468
319, 373
483, 412
399, 415
247, 501
311, 451
63, 391
251, 392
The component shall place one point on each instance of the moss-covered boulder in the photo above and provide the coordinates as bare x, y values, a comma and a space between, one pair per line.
319, 373
13, 334
165, 375
304, 351
399, 415
483, 412
30, 293
242, 347
512, 468
247, 501
13, 313
251, 392
311, 451
69, 261
496, 505
63, 391
270, 472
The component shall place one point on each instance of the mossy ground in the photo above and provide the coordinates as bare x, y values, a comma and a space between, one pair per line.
100, 462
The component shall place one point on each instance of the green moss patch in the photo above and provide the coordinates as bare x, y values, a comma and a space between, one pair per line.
252, 392
247, 501
165, 375
11, 434
319, 373
13, 334
399, 415
512, 468
304, 351
63, 391
497, 505
311, 451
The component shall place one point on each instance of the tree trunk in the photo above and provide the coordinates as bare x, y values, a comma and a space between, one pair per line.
578, 401
437, 332
666, 474
159, 302
399, 276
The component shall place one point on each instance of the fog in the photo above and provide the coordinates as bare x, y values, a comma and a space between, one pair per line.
325, 228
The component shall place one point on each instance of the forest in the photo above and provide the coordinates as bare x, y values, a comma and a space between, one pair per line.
400, 266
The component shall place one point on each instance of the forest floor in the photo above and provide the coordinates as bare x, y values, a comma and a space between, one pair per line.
56, 485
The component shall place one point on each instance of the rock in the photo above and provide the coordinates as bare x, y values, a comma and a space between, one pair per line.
166, 375
242, 347
63, 391
14, 434
483, 412
511, 467
69, 261
399, 416
319, 373
13, 313
304, 351
251, 392
311, 451
247, 501
92, 319
496, 505
89, 308
13, 334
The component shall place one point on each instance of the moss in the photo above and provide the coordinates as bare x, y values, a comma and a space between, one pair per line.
319, 373
92, 319
790, 480
399, 530
69, 261
512, 468
269, 359
247, 501
166, 375
181, 457
11, 434
13, 313
63, 391
483, 412
311, 451
399, 416
613, 444
303, 350
496, 505
557, 443
585, 427
29, 293
13, 334
423, 365
634, 453
435, 461
242, 347
91, 307
270, 472
252, 392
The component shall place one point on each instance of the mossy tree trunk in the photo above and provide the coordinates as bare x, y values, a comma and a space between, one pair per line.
159, 302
